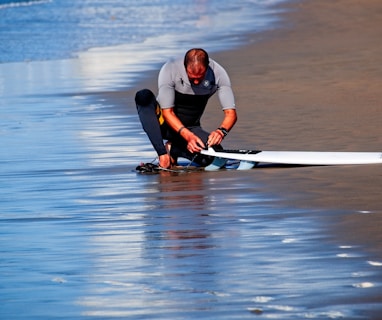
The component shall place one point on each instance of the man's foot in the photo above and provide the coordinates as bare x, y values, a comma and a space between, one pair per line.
168, 149
167, 145
165, 160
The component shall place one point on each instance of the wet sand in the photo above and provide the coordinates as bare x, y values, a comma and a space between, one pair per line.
84, 236
314, 83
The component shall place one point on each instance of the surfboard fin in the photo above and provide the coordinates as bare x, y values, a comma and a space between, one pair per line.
246, 165
216, 164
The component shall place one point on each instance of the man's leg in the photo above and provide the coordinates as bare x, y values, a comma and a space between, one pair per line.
146, 106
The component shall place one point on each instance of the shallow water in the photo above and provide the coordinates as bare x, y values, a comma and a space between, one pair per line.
35, 30
83, 235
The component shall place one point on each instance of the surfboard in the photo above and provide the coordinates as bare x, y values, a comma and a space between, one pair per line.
312, 158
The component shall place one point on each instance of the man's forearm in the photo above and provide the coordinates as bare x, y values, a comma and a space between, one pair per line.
172, 120
230, 118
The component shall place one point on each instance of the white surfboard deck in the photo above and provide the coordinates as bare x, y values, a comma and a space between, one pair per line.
319, 158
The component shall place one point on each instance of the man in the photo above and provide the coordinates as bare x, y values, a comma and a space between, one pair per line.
185, 85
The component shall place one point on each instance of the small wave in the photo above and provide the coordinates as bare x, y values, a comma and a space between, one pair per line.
59, 280
289, 240
13, 4
363, 285
347, 255
327, 315
262, 299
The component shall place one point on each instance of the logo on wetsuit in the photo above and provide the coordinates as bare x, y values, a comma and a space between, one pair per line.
206, 83
158, 112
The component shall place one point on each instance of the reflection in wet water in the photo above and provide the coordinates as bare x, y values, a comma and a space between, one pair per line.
198, 248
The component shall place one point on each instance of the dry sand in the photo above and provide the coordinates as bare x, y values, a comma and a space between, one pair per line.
314, 83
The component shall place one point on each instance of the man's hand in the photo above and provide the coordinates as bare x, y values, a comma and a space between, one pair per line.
165, 161
194, 143
215, 137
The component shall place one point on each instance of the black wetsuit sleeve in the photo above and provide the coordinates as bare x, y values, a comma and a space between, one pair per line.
151, 126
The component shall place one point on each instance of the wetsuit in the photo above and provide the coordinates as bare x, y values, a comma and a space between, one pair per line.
188, 101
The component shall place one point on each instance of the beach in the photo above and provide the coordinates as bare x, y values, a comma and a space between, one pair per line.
315, 85
85, 236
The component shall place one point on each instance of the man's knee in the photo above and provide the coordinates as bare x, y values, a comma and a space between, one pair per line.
145, 97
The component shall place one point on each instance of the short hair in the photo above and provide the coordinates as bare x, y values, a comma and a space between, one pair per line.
196, 55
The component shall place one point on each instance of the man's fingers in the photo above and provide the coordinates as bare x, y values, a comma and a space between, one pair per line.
214, 139
195, 145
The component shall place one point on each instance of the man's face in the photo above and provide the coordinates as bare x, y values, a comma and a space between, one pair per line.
196, 75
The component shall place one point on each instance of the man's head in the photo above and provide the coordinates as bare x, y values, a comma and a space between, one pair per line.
196, 63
